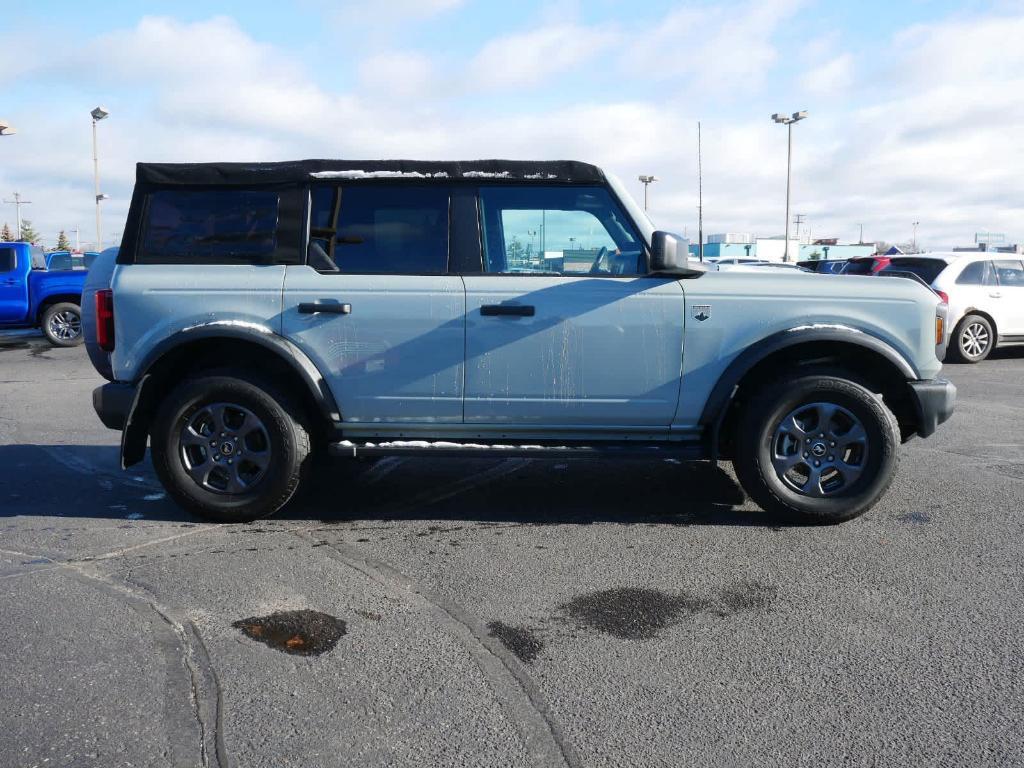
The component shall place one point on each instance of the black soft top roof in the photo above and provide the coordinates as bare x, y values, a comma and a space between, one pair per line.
301, 171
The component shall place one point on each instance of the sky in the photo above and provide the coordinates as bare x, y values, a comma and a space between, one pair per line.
915, 108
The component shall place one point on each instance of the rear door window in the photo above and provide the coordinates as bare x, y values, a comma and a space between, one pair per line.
977, 273
8, 260
210, 226
379, 229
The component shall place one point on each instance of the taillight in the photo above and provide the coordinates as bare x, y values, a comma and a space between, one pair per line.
105, 320
944, 296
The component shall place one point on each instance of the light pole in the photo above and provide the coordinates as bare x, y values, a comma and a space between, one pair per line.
646, 181
914, 242
5, 129
796, 117
97, 114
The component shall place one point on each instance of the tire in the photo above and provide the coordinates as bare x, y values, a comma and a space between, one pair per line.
853, 474
972, 340
62, 324
261, 446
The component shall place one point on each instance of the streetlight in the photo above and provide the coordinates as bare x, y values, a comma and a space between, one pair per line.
646, 180
781, 119
915, 236
5, 129
97, 114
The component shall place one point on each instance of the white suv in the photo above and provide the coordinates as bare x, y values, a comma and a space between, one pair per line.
985, 293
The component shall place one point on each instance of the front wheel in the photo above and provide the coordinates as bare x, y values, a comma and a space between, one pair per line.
229, 449
817, 448
62, 324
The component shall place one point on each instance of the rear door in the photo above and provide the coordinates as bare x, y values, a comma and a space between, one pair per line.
1010, 276
563, 325
13, 286
374, 306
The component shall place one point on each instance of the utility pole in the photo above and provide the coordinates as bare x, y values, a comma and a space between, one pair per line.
646, 181
798, 219
796, 117
860, 240
700, 199
915, 236
17, 202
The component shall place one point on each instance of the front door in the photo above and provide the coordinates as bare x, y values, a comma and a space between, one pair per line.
374, 308
13, 287
564, 327
1010, 274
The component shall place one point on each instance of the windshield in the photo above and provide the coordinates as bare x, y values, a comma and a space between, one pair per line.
926, 269
858, 267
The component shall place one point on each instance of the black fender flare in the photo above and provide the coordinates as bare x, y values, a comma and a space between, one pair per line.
721, 397
136, 429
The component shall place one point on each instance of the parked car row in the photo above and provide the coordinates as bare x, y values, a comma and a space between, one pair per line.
984, 291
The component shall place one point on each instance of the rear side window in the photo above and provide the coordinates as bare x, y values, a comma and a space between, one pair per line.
927, 269
1010, 273
209, 226
977, 273
8, 260
385, 229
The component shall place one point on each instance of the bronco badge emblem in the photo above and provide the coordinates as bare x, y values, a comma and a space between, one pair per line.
701, 312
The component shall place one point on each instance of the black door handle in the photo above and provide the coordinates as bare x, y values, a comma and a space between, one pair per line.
513, 310
331, 307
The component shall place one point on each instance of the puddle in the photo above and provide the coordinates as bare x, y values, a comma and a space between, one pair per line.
520, 640
300, 633
631, 613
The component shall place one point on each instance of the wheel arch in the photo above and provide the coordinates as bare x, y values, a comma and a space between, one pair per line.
981, 313
215, 347
872, 359
56, 298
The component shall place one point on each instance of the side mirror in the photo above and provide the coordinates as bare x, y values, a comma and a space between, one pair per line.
670, 256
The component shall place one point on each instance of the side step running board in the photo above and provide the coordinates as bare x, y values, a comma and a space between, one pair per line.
633, 450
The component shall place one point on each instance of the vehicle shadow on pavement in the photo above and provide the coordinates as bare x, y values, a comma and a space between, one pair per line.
85, 481
535, 492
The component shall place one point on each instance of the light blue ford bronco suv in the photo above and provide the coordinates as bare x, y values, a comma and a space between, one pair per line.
261, 313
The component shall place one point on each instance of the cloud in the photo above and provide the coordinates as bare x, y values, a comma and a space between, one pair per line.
714, 48
831, 78
529, 58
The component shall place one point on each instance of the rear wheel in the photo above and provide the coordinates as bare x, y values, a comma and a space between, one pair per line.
62, 324
817, 448
973, 339
229, 449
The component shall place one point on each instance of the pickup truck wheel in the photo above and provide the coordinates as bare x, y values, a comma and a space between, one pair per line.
229, 449
62, 324
817, 448
973, 339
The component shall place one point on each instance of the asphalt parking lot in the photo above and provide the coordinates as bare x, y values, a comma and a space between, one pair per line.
510, 612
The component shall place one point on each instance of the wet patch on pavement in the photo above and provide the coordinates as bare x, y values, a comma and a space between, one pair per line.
300, 633
520, 640
920, 518
745, 596
632, 613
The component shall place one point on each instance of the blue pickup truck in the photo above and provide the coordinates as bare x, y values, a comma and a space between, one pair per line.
31, 296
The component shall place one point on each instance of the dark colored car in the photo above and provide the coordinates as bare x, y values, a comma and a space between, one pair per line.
824, 266
865, 265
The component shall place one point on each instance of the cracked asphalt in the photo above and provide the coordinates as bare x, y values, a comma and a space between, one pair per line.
514, 612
